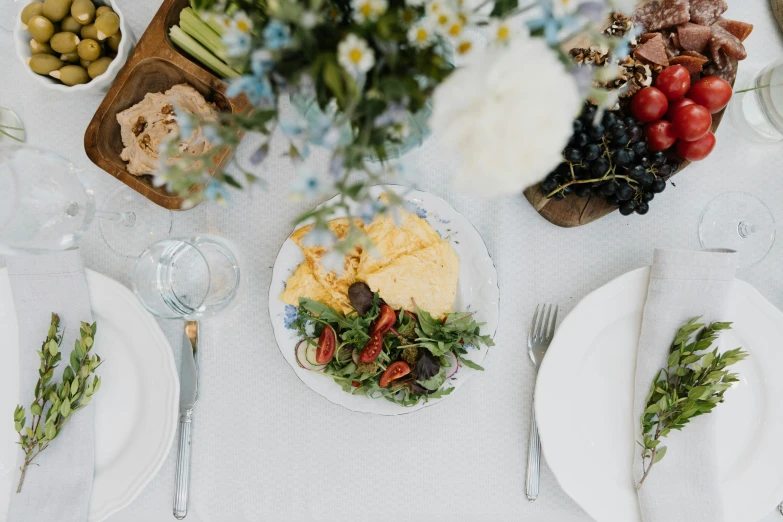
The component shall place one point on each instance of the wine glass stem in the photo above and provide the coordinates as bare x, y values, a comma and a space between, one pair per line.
745, 229
126, 218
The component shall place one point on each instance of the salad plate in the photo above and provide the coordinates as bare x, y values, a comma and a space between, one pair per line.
587, 380
477, 292
135, 411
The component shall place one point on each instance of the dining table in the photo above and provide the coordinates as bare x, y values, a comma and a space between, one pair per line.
267, 448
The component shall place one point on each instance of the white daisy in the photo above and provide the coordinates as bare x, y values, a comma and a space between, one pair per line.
453, 27
443, 19
368, 10
309, 20
464, 45
355, 55
501, 31
436, 6
242, 22
421, 34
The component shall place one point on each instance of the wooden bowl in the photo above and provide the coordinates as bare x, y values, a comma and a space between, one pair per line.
156, 65
574, 211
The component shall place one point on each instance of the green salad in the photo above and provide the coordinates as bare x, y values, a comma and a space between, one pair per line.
401, 356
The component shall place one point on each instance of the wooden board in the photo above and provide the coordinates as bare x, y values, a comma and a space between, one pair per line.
574, 211
155, 65
777, 10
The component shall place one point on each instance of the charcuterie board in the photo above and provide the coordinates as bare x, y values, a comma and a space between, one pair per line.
572, 210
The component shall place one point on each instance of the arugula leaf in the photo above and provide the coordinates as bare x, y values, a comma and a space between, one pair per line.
470, 364
440, 393
436, 381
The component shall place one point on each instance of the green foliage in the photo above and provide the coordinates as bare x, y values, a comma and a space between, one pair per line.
692, 384
55, 404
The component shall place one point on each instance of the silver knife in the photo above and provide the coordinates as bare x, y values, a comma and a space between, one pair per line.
188, 395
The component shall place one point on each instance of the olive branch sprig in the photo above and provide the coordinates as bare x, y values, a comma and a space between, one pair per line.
55, 404
692, 384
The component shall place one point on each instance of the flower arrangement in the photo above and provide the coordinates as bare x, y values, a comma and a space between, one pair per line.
364, 76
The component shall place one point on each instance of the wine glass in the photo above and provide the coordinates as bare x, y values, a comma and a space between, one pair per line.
11, 127
46, 205
757, 107
741, 222
186, 278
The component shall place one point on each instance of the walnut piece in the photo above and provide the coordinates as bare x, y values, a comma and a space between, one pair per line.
139, 126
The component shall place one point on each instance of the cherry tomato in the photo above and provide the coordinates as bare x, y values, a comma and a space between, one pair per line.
394, 371
696, 150
649, 104
372, 349
675, 106
326, 345
674, 82
692, 122
711, 92
384, 322
659, 135
355, 384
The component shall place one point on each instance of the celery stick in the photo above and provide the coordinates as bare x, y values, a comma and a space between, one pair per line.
195, 49
195, 27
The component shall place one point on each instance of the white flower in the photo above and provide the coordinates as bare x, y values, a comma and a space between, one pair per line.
502, 31
355, 55
309, 20
368, 10
464, 45
506, 116
421, 34
434, 7
242, 22
442, 19
237, 43
414, 3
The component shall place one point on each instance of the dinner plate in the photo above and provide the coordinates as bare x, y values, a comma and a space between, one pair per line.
584, 403
477, 291
135, 411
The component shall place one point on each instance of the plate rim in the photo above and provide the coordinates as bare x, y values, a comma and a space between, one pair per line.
742, 286
409, 191
117, 504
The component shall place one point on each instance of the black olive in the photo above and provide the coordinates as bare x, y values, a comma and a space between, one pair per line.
361, 297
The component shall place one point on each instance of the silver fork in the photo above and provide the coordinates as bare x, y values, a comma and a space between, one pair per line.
542, 329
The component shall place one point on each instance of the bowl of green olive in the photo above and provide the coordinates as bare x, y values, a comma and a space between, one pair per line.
73, 45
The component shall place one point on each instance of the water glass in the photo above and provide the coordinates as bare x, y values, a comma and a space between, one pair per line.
757, 106
186, 278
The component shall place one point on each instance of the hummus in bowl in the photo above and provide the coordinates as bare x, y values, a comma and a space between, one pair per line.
148, 124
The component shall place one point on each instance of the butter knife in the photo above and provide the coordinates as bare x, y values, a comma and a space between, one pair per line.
188, 395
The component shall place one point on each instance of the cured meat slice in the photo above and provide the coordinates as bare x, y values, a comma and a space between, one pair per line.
652, 51
660, 14
724, 45
707, 12
648, 36
693, 37
739, 29
693, 64
728, 72
696, 55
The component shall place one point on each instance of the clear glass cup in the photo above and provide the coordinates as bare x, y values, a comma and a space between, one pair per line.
46, 205
11, 127
757, 105
740, 222
186, 278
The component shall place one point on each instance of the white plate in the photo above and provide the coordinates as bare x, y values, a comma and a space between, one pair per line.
477, 291
584, 403
135, 411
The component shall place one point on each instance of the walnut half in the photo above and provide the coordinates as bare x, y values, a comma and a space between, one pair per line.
139, 126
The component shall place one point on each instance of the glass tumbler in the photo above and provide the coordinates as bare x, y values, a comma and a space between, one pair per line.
186, 278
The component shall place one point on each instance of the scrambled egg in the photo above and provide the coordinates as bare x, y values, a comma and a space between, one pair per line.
409, 263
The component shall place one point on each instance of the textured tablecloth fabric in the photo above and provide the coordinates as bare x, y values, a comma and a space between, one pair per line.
257, 437
59, 487
683, 284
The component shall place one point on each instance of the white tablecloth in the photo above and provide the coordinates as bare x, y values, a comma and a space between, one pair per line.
267, 448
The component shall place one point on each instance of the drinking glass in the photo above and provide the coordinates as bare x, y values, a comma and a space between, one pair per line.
740, 222
757, 105
46, 205
11, 127
186, 278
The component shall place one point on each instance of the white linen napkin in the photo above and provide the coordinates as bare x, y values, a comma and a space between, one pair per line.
683, 285
59, 487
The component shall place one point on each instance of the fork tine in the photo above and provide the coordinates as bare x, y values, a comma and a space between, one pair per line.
542, 322
552, 325
532, 327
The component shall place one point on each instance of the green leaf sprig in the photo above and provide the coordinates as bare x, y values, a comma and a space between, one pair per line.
55, 404
692, 384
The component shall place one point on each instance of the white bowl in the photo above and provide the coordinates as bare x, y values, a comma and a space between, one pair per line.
98, 85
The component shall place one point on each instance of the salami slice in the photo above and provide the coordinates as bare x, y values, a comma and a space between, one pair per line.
728, 71
739, 29
660, 14
652, 51
724, 45
648, 36
693, 64
707, 12
693, 37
